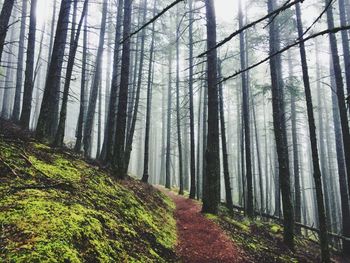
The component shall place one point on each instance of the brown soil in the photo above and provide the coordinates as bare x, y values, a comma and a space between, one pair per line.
200, 239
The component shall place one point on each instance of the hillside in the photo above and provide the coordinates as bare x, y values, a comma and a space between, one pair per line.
55, 207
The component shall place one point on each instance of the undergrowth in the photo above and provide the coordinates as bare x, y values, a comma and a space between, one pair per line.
262, 241
54, 207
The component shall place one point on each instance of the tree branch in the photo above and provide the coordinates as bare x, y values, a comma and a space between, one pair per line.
328, 31
275, 12
153, 19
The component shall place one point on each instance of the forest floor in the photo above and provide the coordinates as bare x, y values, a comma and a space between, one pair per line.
231, 237
200, 240
56, 207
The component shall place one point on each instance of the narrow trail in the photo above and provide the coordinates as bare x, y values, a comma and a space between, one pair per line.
200, 239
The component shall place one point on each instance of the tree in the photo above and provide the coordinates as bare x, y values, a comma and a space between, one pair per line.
229, 201
190, 94
87, 139
5, 110
295, 141
279, 124
211, 191
168, 129
46, 126
130, 134
313, 141
341, 166
83, 91
59, 137
119, 166
19, 74
340, 92
112, 105
4, 21
145, 175
178, 112
28, 82
345, 45
246, 120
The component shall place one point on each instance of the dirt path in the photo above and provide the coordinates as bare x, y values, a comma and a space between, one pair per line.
201, 240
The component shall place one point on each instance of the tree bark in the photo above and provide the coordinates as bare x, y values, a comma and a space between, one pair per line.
59, 137
28, 82
345, 45
118, 165
296, 170
168, 140
344, 195
130, 135
340, 92
112, 105
90, 115
178, 112
145, 175
190, 94
19, 74
246, 121
4, 21
211, 191
313, 141
280, 131
46, 123
229, 200
82, 104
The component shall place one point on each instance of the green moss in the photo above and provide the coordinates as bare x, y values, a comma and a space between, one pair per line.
243, 225
276, 228
211, 216
40, 146
95, 220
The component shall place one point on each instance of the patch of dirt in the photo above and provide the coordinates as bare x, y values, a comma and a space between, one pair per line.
200, 239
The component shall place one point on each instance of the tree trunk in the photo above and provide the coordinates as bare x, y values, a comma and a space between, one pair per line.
313, 140
280, 131
178, 112
229, 200
52, 31
82, 104
340, 92
345, 206
211, 191
46, 123
168, 140
90, 115
190, 91
199, 139
59, 137
145, 175
4, 21
28, 82
258, 156
246, 121
112, 106
345, 45
119, 166
19, 74
130, 135
295, 142
5, 111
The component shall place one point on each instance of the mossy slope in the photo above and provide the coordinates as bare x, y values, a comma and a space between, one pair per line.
54, 207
